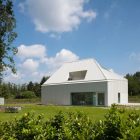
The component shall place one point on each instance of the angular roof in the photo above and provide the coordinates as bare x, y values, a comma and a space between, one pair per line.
94, 72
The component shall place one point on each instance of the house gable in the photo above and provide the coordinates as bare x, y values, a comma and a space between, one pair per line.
82, 71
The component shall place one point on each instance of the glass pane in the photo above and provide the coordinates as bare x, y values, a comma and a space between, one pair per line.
82, 98
101, 99
118, 97
77, 75
94, 98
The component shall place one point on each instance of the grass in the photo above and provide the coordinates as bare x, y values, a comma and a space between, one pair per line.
31, 105
22, 101
94, 113
134, 99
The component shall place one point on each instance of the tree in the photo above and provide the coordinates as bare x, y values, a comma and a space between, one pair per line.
133, 83
34, 87
4, 90
7, 36
30, 86
28, 94
44, 79
37, 89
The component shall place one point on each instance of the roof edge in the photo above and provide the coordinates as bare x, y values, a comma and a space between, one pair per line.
79, 81
79, 60
100, 68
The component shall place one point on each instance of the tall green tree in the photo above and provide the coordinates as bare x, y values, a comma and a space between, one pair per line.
30, 86
133, 83
4, 90
44, 79
7, 36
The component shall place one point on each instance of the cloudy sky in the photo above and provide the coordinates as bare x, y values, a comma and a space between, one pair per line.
52, 32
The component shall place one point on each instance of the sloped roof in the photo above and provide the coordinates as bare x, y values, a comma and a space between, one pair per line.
94, 73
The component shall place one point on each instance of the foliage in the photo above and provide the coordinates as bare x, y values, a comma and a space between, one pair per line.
23, 101
44, 79
133, 84
27, 95
7, 35
112, 129
4, 91
36, 87
27, 105
74, 126
27, 128
12, 90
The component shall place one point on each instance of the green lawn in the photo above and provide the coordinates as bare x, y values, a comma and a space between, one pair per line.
94, 113
134, 99
22, 101
30, 105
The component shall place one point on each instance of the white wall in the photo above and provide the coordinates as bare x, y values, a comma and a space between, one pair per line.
60, 94
115, 87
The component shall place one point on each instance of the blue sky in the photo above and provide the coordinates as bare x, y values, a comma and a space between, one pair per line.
51, 32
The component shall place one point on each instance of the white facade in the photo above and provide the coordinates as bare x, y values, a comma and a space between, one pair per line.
76, 80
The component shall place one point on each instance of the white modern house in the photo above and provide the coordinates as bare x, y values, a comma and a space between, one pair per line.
84, 82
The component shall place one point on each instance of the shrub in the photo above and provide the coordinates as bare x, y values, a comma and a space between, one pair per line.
74, 126
26, 95
78, 127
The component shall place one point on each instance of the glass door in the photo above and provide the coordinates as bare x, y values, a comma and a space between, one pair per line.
101, 99
94, 99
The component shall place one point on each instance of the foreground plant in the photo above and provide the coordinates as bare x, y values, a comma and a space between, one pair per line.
119, 124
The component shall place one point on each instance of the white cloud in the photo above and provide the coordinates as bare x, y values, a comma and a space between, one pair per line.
34, 66
60, 58
23, 77
58, 15
30, 65
66, 55
32, 51
13, 78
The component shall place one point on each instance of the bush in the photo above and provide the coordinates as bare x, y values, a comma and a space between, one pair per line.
26, 95
74, 126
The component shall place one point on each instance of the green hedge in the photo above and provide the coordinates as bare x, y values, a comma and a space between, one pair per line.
26, 95
76, 126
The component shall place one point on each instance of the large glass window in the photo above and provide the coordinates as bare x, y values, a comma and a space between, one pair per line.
77, 75
82, 98
88, 98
